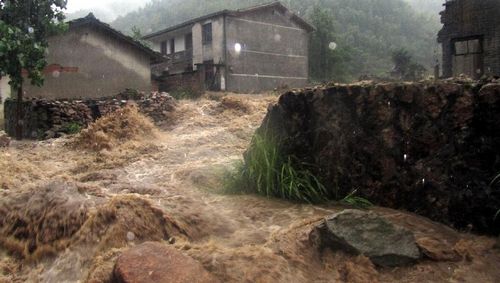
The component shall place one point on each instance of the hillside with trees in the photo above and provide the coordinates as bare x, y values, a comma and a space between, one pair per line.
367, 32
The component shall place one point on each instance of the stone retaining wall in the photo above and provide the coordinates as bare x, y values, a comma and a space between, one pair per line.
430, 148
45, 119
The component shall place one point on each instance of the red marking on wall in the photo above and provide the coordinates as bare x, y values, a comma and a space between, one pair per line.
50, 69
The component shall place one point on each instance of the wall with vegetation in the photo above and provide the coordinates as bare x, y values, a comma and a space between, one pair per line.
45, 119
430, 148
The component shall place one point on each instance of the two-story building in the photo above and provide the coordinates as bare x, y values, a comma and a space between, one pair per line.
470, 38
247, 50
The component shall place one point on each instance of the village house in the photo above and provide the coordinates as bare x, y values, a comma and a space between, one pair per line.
92, 60
470, 38
247, 50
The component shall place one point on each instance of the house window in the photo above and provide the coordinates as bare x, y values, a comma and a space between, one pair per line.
163, 47
172, 46
207, 33
470, 46
189, 41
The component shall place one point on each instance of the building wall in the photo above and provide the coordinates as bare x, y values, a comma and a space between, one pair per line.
471, 18
274, 52
101, 66
190, 82
197, 45
4, 94
217, 40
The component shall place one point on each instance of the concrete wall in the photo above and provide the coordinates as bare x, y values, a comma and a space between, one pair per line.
274, 52
197, 45
217, 40
4, 94
471, 18
104, 66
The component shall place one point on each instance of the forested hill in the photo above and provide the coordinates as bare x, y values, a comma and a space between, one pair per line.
366, 31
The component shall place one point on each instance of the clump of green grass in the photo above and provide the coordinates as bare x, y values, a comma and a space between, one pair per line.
73, 128
356, 201
494, 182
267, 172
185, 93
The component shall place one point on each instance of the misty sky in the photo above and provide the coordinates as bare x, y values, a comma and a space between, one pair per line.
75, 5
105, 10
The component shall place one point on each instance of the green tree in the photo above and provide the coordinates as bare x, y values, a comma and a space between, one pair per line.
137, 36
24, 28
404, 66
320, 53
328, 57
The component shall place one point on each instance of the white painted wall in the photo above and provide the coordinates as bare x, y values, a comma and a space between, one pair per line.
180, 44
4, 94
197, 45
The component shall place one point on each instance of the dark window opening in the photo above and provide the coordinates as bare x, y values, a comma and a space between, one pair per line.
163, 47
207, 33
468, 46
172, 46
189, 41
211, 76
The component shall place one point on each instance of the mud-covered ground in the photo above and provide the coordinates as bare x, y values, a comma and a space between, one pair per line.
68, 210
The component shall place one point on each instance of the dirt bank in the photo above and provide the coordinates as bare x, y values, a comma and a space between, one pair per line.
166, 188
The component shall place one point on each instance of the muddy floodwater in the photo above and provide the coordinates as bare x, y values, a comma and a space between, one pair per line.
167, 187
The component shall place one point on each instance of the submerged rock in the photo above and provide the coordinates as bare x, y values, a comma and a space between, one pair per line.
157, 263
366, 233
4, 139
437, 250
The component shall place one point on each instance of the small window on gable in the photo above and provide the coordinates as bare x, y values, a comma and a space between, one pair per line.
468, 46
207, 33
163, 47
172, 46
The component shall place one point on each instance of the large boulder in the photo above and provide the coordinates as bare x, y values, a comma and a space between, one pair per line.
153, 262
366, 233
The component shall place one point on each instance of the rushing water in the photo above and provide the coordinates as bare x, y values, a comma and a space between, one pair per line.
239, 238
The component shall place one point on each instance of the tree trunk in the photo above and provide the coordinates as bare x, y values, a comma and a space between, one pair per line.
19, 114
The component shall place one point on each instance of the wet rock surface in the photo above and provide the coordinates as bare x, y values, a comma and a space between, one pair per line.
153, 262
431, 148
365, 233
4, 139
438, 250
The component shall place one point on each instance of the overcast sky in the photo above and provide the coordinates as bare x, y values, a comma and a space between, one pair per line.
107, 10
75, 5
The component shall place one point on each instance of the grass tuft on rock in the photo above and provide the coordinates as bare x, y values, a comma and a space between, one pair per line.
356, 201
494, 182
267, 172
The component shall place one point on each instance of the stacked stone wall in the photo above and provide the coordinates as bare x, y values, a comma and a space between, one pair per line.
430, 148
45, 118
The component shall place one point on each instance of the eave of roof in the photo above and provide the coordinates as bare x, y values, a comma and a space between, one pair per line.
90, 19
307, 26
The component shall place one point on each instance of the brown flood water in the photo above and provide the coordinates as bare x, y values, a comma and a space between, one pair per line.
174, 181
